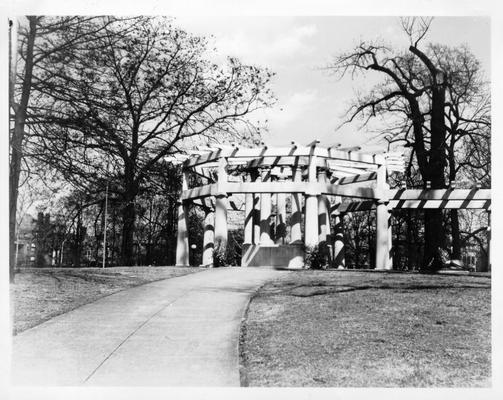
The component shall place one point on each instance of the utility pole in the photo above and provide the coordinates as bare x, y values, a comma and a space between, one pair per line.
105, 222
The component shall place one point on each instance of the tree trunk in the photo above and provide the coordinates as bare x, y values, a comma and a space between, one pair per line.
128, 221
114, 236
434, 230
456, 238
16, 144
128, 226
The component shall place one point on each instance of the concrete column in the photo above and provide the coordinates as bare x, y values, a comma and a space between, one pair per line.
265, 213
256, 212
339, 250
256, 218
221, 205
248, 228
281, 218
208, 238
311, 221
311, 214
182, 238
323, 210
384, 258
296, 217
221, 231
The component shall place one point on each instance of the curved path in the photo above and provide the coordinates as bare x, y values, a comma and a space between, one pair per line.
180, 331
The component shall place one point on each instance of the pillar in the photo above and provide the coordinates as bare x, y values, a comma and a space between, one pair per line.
296, 217
182, 238
221, 230
281, 218
221, 205
248, 228
384, 258
339, 250
256, 218
208, 238
256, 213
323, 211
265, 213
311, 213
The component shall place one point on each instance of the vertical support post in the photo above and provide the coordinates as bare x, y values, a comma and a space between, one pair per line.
256, 218
248, 228
339, 249
208, 238
265, 213
221, 204
281, 218
256, 210
384, 258
323, 210
221, 230
311, 217
296, 217
182, 240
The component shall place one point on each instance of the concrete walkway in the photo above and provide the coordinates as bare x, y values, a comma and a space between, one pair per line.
180, 331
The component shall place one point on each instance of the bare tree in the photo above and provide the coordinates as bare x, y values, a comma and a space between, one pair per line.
37, 40
117, 105
417, 94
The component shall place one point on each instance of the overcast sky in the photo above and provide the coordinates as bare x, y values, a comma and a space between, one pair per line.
311, 104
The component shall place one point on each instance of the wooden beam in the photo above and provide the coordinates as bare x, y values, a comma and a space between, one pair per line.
440, 204
439, 194
418, 205
286, 151
200, 191
365, 205
357, 178
313, 188
310, 188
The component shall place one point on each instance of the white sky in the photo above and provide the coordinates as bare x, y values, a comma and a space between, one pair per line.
311, 104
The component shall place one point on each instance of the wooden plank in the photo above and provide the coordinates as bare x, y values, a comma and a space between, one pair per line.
440, 204
439, 194
418, 205
313, 188
357, 178
200, 191
285, 152
357, 206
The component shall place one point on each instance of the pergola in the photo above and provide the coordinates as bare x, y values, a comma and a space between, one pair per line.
316, 179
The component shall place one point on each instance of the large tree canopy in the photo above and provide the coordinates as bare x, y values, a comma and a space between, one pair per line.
433, 100
134, 92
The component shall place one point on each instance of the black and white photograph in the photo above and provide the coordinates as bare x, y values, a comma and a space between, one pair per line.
206, 198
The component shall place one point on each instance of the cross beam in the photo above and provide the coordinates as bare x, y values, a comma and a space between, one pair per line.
302, 151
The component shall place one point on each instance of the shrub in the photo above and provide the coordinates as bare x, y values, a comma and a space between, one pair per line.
317, 257
219, 255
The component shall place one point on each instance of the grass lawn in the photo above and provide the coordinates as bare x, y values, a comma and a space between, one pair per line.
39, 294
368, 329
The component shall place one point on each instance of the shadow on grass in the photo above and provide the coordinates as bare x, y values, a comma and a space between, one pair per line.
320, 289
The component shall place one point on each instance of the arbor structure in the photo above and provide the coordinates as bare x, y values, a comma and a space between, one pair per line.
310, 175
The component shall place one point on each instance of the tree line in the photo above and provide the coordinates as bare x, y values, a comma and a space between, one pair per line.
102, 101
99, 104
